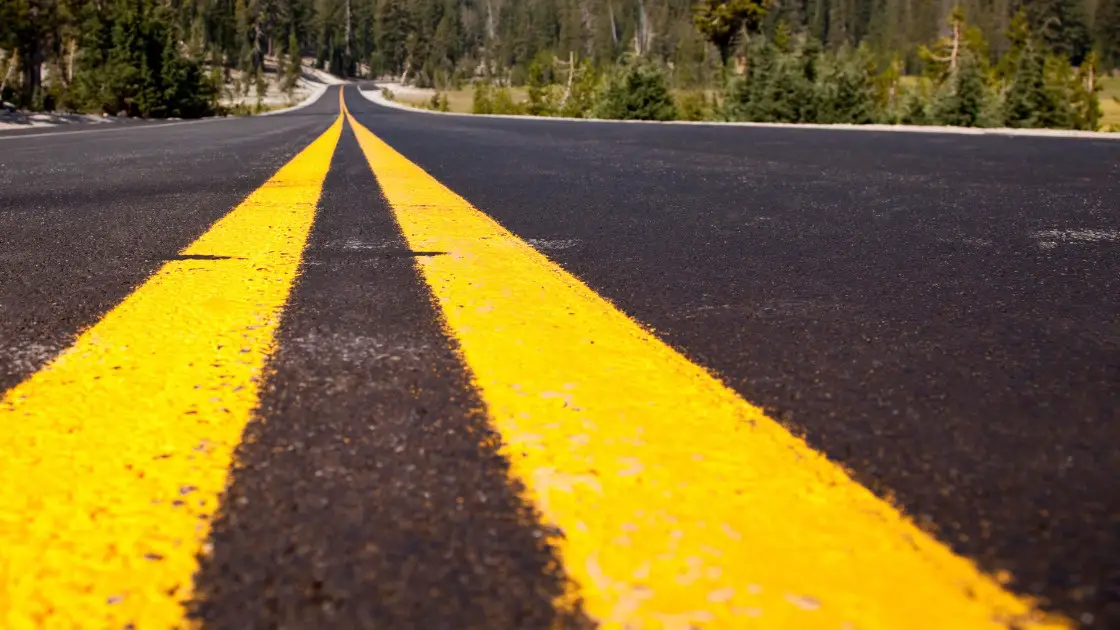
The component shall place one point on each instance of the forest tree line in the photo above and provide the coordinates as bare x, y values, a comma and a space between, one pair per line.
762, 57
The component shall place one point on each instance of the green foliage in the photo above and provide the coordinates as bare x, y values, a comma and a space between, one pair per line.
824, 60
722, 21
695, 106
914, 104
1044, 91
503, 103
635, 90
941, 59
847, 91
541, 98
294, 68
1062, 25
965, 97
1027, 96
1086, 95
439, 102
584, 90
1107, 32
482, 101
490, 99
776, 86
799, 82
132, 65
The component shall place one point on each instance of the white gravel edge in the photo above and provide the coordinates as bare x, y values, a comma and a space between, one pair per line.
311, 98
317, 92
376, 97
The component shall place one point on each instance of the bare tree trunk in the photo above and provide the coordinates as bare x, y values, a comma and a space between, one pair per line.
571, 75
490, 26
614, 27
71, 53
956, 46
347, 35
587, 25
258, 60
641, 38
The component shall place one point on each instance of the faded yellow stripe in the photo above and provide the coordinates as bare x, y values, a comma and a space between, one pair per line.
112, 458
681, 505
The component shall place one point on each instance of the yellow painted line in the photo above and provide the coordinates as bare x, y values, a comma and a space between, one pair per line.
112, 457
681, 505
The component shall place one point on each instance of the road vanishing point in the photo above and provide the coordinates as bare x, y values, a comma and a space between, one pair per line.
353, 367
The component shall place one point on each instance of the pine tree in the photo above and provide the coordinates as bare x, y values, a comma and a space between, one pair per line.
1043, 92
393, 25
1062, 25
1019, 39
1086, 100
722, 21
541, 101
749, 97
848, 93
1107, 28
1060, 85
915, 104
482, 102
1027, 90
965, 95
585, 84
943, 58
636, 90
294, 69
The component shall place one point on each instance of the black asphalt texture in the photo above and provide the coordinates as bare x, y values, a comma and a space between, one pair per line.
940, 314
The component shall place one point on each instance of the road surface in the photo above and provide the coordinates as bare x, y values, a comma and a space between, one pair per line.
368, 368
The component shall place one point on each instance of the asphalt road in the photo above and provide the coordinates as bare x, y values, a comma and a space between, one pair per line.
939, 315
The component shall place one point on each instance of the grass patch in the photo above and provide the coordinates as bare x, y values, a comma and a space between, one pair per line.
458, 101
1110, 103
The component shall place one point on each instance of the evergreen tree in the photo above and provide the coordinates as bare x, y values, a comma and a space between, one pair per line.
1086, 100
749, 97
1026, 94
636, 90
538, 87
796, 82
722, 21
965, 95
914, 105
1060, 86
584, 86
143, 56
1019, 39
943, 58
482, 102
1044, 92
294, 69
503, 103
1107, 29
1062, 25
848, 92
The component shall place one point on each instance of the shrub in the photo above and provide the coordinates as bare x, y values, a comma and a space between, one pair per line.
482, 102
695, 106
635, 90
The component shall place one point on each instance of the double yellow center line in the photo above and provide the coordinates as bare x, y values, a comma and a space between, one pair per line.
680, 505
